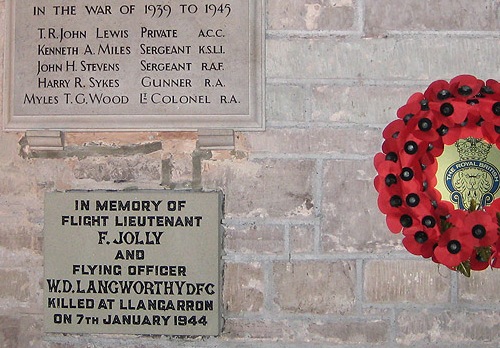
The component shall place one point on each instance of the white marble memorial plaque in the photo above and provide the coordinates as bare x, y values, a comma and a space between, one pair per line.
134, 65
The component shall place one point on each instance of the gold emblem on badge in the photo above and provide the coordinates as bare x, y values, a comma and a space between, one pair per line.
467, 172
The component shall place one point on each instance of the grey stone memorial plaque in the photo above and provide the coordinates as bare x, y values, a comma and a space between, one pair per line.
134, 65
139, 262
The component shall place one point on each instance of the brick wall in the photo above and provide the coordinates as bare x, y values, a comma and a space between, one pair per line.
308, 259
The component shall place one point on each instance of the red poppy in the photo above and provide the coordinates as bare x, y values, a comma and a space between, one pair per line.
493, 209
412, 106
492, 89
393, 129
412, 179
434, 150
438, 91
490, 111
453, 248
457, 218
411, 150
390, 201
444, 209
421, 240
388, 172
465, 87
481, 228
451, 112
418, 203
491, 132
424, 125
402, 219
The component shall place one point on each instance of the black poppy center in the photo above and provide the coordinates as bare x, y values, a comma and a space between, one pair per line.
454, 247
465, 90
407, 118
443, 130
443, 94
421, 237
487, 90
412, 200
411, 147
407, 174
478, 231
391, 180
391, 156
425, 124
396, 201
447, 109
406, 221
496, 108
424, 105
429, 221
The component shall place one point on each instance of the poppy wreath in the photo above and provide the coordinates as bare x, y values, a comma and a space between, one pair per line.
461, 239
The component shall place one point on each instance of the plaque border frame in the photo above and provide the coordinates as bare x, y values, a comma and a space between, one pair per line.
253, 121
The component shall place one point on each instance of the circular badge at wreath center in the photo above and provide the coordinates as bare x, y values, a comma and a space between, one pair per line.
468, 171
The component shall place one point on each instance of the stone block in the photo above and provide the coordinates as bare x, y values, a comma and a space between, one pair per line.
315, 141
23, 331
18, 235
180, 169
401, 58
418, 15
263, 188
481, 287
9, 331
302, 239
243, 287
286, 103
350, 332
351, 218
119, 169
258, 329
315, 287
2, 45
442, 328
358, 104
402, 281
255, 239
15, 284
311, 15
